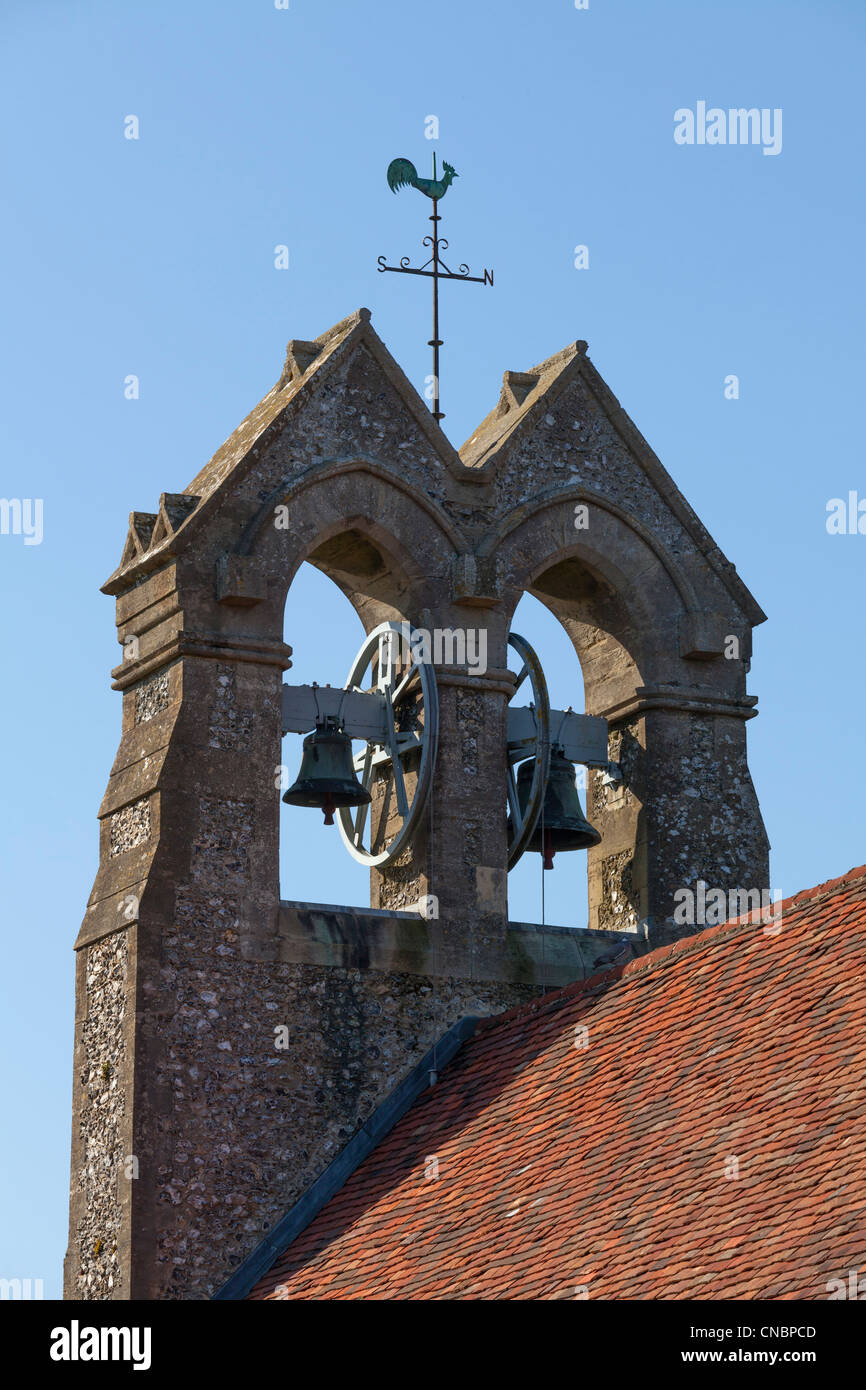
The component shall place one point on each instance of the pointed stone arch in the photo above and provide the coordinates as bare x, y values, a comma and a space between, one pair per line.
362, 494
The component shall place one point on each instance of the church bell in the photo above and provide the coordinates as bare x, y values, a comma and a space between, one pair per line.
565, 825
327, 777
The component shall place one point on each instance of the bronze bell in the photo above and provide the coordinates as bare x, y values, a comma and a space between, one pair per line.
327, 778
565, 825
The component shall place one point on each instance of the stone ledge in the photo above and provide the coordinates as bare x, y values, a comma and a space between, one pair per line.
354, 938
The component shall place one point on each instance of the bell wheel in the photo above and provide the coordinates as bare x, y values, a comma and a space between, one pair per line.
522, 820
397, 772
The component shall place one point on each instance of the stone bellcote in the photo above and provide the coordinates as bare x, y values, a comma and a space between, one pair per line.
192, 1133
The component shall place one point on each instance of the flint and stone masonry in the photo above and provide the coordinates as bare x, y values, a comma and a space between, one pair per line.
227, 1044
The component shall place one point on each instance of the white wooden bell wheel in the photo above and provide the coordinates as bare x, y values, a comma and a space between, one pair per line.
535, 745
411, 732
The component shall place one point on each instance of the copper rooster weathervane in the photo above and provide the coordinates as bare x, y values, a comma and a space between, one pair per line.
402, 173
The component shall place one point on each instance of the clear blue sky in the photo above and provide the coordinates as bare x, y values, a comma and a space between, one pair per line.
155, 258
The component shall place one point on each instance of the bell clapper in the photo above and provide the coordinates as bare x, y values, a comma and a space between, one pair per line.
549, 850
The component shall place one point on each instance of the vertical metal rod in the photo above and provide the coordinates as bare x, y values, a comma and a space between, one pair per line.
436, 341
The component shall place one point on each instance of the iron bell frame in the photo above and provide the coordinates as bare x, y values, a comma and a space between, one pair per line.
372, 716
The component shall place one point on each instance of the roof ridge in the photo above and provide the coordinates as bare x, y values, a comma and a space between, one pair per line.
670, 952
826, 890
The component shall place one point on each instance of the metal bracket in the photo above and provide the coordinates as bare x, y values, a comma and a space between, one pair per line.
582, 738
362, 715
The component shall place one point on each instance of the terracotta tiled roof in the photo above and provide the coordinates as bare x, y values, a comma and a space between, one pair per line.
708, 1141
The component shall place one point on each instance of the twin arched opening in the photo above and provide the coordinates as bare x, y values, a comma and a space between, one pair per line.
585, 601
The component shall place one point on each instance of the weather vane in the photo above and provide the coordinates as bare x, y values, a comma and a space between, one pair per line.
402, 172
